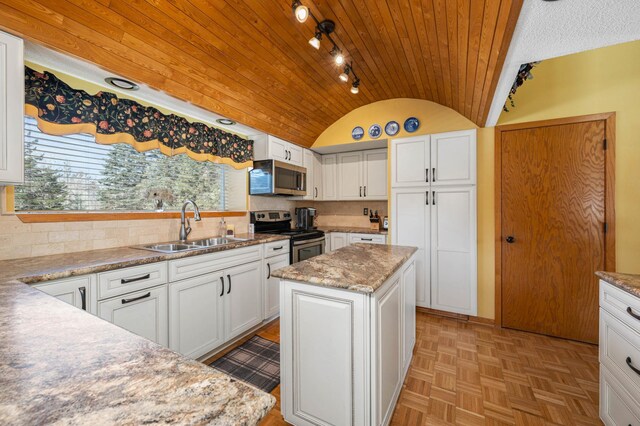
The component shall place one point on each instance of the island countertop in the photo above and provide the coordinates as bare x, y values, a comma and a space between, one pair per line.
59, 364
359, 267
626, 282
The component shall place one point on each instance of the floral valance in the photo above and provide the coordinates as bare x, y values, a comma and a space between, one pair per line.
61, 109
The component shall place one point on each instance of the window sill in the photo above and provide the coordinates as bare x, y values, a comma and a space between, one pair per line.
38, 217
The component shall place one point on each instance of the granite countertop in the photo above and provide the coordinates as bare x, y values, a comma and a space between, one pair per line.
59, 364
627, 282
352, 229
358, 267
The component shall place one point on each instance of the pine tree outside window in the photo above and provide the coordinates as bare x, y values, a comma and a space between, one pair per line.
73, 173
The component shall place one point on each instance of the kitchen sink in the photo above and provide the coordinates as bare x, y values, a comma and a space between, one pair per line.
179, 246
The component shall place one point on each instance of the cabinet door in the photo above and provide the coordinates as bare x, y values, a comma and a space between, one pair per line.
242, 298
339, 240
408, 312
78, 291
410, 161
375, 174
144, 313
410, 226
367, 238
195, 315
329, 179
272, 285
317, 177
350, 176
11, 110
278, 149
295, 154
453, 250
453, 158
327, 243
309, 163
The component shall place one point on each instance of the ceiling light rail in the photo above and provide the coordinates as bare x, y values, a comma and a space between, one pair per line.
324, 29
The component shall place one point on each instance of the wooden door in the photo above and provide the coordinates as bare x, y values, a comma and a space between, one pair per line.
454, 245
453, 158
410, 161
350, 176
552, 228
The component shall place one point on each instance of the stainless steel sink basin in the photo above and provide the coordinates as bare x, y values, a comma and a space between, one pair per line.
217, 241
170, 247
179, 246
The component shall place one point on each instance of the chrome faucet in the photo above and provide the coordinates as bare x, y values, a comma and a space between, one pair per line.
185, 229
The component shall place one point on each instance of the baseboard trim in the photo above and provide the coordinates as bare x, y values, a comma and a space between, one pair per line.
459, 317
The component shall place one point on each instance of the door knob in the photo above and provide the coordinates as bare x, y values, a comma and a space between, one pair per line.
510, 239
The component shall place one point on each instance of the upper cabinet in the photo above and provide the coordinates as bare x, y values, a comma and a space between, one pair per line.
440, 159
318, 173
329, 181
362, 175
269, 147
11, 110
308, 163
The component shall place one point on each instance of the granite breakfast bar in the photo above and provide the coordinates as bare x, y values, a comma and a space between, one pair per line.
59, 364
347, 331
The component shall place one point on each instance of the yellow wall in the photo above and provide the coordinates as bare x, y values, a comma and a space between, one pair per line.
435, 118
601, 80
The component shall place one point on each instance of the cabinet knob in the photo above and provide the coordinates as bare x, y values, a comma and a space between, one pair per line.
510, 239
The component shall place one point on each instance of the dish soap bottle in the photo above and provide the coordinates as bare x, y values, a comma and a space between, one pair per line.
222, 228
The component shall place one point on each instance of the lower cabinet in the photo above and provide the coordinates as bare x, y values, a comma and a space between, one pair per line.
339, 240
409, 278
77, 291
242, 298
196, 321
144, 313
272, 285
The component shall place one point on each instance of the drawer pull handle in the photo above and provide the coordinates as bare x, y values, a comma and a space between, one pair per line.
132, 280
144, 296
630, 312
222, 282
630, 364
366, 239
269, 269
83, 297
278, 248
229, 279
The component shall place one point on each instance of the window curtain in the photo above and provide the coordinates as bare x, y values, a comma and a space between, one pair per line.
62, 110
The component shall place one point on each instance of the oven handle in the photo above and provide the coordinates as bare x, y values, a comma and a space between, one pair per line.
305, 242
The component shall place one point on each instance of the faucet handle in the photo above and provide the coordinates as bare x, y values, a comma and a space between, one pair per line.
188, 227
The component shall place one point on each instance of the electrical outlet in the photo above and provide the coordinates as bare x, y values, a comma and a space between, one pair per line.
365, 211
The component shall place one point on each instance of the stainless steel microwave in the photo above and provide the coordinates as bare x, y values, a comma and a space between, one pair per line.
271, 177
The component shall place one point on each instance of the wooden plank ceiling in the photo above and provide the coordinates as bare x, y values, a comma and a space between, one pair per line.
249, 60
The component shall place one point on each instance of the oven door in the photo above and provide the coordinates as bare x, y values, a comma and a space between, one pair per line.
306, 249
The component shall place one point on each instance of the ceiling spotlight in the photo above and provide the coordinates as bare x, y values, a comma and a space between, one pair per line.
337, 55
354, 86
301, 11
121, 83
225, 121
315, 40
345, 74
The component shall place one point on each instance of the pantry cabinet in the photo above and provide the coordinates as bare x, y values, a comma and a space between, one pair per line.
11, 110
273, 148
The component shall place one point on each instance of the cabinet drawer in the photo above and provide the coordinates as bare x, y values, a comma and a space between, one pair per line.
122, 281
276, 248
145, 313
199, 265
621, 305
367, 238
617, 407
619, 346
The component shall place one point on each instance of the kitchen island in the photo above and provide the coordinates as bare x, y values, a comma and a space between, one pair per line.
347, 330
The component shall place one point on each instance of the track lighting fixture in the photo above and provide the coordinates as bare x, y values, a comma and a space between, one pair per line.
326, 27
301, 11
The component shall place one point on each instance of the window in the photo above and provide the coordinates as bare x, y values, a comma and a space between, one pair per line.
74, 173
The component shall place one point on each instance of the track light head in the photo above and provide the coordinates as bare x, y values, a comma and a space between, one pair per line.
345, 74
315, 40
354, 86
337, 55
300, 11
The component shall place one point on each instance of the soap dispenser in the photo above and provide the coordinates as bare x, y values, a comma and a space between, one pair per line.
222, 228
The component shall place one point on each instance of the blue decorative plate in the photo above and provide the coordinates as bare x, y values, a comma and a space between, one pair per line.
411, 124
392, 128
357, 133
375, 131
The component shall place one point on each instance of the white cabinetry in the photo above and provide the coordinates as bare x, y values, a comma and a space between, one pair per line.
11, 110
318, 172
144, 313
367, 238
308, 163
273, 148
619, 356
77, 291
408, 312
339, 240
272, 285
433, 207
329, 177
362, 175
350, 176
242, 299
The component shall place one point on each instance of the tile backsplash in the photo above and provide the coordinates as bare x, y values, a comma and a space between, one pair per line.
344, 213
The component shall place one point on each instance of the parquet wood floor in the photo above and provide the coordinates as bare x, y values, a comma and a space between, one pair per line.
473, 374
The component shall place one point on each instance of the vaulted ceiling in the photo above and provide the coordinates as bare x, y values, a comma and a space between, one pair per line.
249, 60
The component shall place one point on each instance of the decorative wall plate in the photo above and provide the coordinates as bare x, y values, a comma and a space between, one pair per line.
411, 124
375, 131
392, 128
357, 133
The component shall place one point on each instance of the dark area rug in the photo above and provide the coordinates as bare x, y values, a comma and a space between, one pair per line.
256, 362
